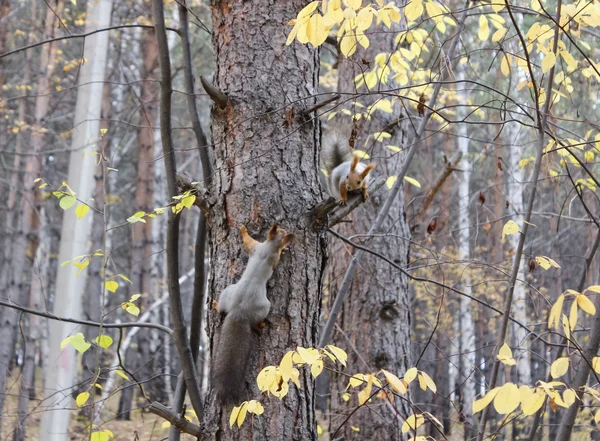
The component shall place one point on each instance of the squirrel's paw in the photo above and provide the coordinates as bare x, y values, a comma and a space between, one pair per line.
259, 327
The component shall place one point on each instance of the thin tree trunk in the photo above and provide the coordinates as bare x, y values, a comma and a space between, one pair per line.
375, 318
464, 323
38, 291
33, 168
60, 372
267, 172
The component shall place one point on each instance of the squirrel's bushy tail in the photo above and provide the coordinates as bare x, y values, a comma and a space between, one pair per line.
335, 149
231, 359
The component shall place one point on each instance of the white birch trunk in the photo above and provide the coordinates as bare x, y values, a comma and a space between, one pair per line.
60, 371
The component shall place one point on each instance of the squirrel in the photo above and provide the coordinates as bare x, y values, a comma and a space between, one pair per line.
246, 306
345, 171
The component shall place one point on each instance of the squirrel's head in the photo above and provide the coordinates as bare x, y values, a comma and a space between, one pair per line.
277, 240
358, 173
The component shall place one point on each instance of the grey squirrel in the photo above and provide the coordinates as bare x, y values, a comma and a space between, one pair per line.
246, 306
345, 172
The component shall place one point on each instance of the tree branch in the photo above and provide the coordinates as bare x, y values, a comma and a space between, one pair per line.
86, 322
177, 317
68, 37
219, 98
176, 420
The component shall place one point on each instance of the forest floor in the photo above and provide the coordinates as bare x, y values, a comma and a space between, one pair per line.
143, 426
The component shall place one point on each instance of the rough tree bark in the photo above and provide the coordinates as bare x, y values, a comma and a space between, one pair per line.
375, 319
266, 171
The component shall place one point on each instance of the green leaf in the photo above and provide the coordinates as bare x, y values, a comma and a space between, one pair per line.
67, 202
104, 341
79, 343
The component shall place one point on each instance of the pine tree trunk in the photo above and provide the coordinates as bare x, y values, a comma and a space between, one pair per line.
267, 172
375, 319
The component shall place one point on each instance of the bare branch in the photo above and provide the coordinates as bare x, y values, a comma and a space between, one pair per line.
305, 113
86, 322
219, 98
176, 420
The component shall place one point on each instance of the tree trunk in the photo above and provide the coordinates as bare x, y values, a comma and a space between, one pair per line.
60, 371
375, 318
38, 290
141, 252
33, 167
464, 323
267, 172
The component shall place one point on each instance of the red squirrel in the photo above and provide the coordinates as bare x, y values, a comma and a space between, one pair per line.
246, 306
345, 171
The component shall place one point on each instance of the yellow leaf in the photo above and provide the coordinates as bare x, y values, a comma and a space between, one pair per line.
111, 285
482, 403
395, 382
497, 6
597, 417
410, 375
566, 327
413, 10
596, 364
571, 62
429, 382
484, 28
413, 422
81, 210
316, 31
316, 368
559, 367
364, 18
309, 356
234, 414
393, 148
104, 341
308, 9
545, 262
555, 312
586, 304
354, 4
531, 401
82, 398
548, 62
242, 414
165, 425
505, 64
389, 182
573, 316
412, 181
507, 399
594, 288
132, 309
361, 154
364, 394
122, 374
505, 356
509, 229
499, 34
569, 396
339, 354
348, 45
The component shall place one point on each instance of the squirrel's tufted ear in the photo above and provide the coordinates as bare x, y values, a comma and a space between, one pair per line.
355, 161
367, 169
249, 242
287, 239
273, 231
